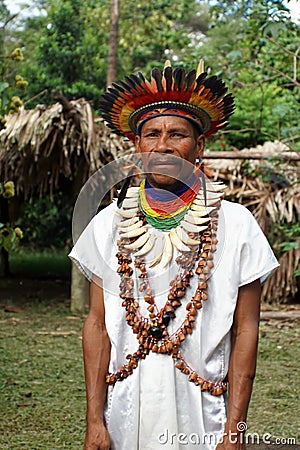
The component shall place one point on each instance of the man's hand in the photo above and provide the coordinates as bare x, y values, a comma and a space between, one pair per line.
96, 438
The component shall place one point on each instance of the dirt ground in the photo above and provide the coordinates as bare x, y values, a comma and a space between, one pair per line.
23, 290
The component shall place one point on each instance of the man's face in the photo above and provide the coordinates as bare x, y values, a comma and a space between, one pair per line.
169, 146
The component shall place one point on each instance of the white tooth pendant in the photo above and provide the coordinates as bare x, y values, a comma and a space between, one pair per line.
167, 251
156, 259
210, 195
129, 203
215, 186
147, 246
185, 238
139, 242
202, 210
155, 255
209, 202
127, 213
132, 227
177, 242
132, 192
133, 233
127, 222
191, 227
194, 218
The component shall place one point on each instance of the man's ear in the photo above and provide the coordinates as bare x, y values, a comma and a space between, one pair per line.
137, 140
201, 145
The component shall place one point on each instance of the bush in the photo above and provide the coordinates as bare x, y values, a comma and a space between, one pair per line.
46, 223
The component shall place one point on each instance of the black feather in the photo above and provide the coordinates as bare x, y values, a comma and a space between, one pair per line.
179, 76
168, 77
157, 75
204, 187
141, 77
200, 80
190, 79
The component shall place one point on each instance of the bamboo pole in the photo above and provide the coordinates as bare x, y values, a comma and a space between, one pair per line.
288, 156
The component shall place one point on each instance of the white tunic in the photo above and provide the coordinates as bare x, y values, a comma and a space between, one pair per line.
157, 407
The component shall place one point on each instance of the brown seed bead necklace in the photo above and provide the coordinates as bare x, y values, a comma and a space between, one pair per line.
152, 333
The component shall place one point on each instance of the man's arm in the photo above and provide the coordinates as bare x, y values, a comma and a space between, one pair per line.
242, 363
96, 352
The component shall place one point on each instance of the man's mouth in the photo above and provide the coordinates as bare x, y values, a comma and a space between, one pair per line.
163, 162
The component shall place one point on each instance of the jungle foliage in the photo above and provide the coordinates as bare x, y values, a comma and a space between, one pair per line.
254, 46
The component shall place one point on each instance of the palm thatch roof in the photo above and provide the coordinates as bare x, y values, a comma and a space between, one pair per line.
270, 188
39, 147
42, 147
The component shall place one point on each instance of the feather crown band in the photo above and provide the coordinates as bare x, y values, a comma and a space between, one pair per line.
126, 105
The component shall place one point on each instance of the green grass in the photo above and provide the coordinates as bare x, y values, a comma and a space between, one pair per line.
40, 264
275, 404
41, 382
42, 385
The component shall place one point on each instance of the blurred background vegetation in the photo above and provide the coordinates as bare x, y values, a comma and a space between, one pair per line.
63, 45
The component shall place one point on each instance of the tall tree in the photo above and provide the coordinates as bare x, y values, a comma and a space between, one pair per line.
113, 43
72, 42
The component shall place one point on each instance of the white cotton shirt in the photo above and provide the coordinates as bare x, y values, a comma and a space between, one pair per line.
157, 407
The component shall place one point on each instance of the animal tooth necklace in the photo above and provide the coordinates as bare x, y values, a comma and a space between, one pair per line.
152, 332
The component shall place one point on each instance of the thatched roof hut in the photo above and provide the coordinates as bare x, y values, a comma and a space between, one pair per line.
266, 179
42, 147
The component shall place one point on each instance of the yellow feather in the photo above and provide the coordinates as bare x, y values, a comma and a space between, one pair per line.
200, 68
167, 63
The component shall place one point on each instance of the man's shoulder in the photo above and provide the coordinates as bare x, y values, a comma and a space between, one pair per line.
234, 208
236, 214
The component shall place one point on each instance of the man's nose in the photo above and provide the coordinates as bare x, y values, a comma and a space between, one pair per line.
162, 144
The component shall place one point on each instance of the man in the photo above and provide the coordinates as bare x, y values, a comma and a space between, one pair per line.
170, 341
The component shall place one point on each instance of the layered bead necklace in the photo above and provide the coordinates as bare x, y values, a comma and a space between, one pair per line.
195, 258
164, 210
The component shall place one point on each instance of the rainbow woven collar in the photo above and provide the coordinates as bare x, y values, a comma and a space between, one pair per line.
165, 210
128, 104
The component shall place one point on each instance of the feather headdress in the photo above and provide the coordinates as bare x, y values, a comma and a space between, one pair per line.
128, 104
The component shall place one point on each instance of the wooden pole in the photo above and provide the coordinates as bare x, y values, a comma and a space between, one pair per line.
287, 156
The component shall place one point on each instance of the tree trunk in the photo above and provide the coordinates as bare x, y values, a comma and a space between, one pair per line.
4, 218
113, 43
79, 284
79, 291
4, 264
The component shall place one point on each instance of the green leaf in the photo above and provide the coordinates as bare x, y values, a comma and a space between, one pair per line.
5, 100
3, 85
273, 28
286, 246
235, 54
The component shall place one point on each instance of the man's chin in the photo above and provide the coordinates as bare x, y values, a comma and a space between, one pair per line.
163, 181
